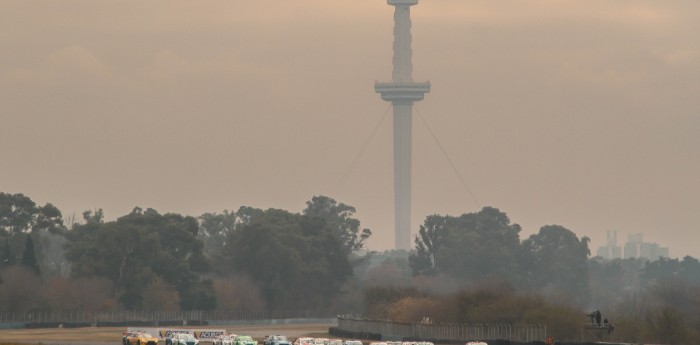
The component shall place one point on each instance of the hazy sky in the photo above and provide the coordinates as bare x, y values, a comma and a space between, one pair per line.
582, 113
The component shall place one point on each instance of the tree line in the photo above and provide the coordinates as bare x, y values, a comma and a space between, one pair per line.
485, 244
248, 259
468, 268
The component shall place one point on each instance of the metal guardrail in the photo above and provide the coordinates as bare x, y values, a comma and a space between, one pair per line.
444, 331
156, 316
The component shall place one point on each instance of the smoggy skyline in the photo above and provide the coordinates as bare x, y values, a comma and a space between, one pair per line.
579, 113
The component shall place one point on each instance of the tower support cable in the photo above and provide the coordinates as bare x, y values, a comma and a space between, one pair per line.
442, 149
359, 155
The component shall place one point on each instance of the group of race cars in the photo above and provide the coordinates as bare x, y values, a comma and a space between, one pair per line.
144, 338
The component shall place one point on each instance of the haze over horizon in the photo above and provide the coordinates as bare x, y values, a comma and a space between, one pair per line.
579, 113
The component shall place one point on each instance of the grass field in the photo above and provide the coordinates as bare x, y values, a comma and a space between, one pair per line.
113, 335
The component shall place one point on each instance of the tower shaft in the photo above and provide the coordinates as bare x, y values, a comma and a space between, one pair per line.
403, 131
403, 66
402, 92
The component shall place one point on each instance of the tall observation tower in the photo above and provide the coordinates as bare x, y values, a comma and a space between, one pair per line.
402, 92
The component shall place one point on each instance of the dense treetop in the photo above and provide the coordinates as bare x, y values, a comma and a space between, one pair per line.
136, 249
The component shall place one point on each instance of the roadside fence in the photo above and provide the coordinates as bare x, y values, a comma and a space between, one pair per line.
158, 316
444, 331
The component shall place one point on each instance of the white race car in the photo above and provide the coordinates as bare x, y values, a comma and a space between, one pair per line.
225, 339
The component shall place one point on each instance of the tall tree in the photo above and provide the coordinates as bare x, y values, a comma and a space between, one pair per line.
429, 241
555, 261
19, 214
6, 256
469, 247
298, 261
247, 214
213, 229
339, 218
19, 217
29, 257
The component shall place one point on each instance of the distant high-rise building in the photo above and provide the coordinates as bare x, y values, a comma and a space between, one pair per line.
633, 246
611, 250
636, 248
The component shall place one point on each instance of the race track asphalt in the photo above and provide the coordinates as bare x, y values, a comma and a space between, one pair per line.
112, 335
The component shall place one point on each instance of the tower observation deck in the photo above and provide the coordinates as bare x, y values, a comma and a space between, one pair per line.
402, 91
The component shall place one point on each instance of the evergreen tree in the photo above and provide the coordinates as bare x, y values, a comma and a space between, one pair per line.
6, 256
29, 257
